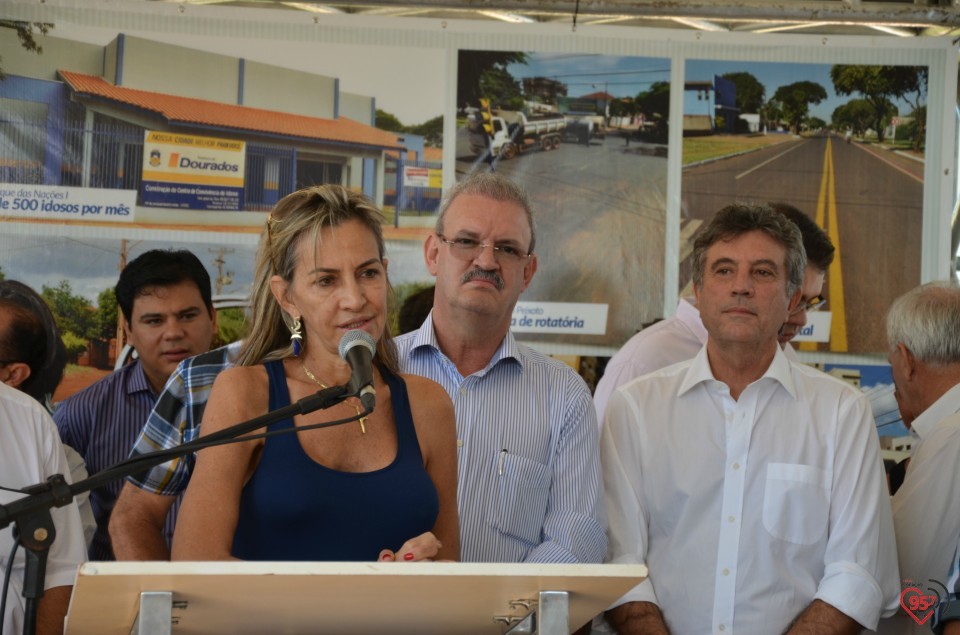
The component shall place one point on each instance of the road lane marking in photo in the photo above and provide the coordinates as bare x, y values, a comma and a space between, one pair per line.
827, 219
768, 161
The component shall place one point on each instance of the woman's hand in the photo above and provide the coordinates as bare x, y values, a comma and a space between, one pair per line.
423, 548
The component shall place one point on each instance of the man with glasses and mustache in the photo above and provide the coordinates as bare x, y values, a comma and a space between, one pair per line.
529, 479
680, 337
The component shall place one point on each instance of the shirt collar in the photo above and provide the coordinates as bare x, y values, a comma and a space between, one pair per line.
700, 372
137, 379
946, 405
426, 338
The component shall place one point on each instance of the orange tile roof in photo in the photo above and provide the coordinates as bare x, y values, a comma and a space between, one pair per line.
430, 155
433, 154
598, 95
187, 110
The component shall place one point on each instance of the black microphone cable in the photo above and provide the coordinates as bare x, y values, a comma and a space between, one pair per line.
8, 571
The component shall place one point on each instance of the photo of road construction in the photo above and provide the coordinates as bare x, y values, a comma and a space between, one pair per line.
586, 135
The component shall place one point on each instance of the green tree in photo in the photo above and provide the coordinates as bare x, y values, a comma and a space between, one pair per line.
74, 345
502, 89
879, 85
431, 131
795, 100
473, 65
74, 315
914, 85
912, 129
655, 101
386, 121
771, 114
106, 316
750, 92
230, 324
26, 35
624, 107
856, 115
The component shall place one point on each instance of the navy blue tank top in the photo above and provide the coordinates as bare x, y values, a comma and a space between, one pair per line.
294, 509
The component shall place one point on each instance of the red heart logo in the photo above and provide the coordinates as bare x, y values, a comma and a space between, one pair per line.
917, 605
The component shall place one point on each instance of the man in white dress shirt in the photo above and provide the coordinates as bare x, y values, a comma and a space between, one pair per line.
31, 452
680, 337
923, 335
750, 485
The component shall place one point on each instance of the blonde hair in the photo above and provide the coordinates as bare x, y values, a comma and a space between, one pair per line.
303, 215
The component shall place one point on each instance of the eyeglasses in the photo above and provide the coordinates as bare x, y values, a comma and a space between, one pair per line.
468, 249
813, 304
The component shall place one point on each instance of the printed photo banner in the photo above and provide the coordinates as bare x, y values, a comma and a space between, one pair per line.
378, 105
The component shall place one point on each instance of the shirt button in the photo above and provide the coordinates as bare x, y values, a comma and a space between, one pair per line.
731, 519
726, 572
463, 391
459, 443
722, 627
736, 466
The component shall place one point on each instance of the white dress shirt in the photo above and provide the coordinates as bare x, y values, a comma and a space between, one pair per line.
745, 511
30, 452
675, 339
926, 513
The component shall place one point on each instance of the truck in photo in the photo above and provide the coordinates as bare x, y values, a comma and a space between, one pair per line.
514, 133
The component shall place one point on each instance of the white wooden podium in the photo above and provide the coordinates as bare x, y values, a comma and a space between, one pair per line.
336, 598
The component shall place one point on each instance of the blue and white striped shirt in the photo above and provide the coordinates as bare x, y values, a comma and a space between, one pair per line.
101, 422
529, 487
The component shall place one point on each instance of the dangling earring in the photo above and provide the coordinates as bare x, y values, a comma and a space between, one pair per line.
296, 337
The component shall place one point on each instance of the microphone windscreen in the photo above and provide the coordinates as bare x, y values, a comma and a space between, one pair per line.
357, 337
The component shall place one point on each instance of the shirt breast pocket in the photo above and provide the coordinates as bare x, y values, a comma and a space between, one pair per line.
796, 502
520, 503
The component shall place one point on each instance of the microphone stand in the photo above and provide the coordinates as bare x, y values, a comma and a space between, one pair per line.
31, 514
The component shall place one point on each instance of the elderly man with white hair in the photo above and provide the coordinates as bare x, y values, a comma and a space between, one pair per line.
923, 336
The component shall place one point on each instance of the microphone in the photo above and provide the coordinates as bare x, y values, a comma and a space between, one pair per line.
357, 348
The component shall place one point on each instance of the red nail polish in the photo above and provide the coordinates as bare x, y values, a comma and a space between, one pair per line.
408, 556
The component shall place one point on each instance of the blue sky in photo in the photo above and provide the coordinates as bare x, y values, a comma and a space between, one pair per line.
625, 76
773, 75
588, 73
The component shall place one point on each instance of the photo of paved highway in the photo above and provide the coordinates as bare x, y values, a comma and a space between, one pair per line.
863, 188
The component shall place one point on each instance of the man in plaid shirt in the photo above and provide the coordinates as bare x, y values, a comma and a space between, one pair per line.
141, 527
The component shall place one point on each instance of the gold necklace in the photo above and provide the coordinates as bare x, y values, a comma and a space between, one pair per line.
363, 420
